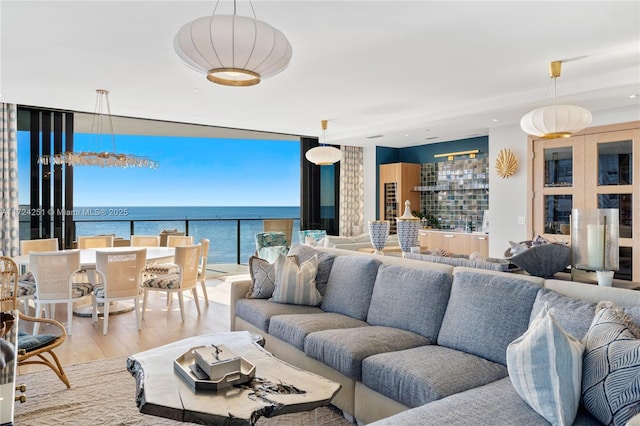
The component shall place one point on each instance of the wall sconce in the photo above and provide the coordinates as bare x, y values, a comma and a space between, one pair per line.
450, 155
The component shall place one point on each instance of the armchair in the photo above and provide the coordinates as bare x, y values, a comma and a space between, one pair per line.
37, 348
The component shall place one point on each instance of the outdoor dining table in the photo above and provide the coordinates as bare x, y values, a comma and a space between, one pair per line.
88, 263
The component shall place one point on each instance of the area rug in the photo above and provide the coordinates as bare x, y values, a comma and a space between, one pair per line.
103, 393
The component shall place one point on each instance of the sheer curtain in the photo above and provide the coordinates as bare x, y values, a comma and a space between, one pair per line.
9, 208
351, 191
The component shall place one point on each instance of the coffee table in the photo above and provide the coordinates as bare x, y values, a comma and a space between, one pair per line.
277, 388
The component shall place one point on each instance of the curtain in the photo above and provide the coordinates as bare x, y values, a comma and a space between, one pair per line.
9, 207
351, 191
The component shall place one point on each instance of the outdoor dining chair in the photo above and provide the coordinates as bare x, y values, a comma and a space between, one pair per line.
37, 348
187, 260
54, 272
118, 278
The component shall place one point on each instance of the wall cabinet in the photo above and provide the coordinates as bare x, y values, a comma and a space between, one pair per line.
597, 169
397, 183
455, 242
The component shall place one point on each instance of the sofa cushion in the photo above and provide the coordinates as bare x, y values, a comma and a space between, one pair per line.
325, 262
410, 299
545, 367
350, 286
296, 284
573, 315
427, 373
259, 311
611, 369
486, 312
344, 350
496, 403
294, 328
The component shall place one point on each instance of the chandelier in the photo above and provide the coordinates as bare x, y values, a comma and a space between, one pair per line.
233, 50
324, 155
101, 128
555, 121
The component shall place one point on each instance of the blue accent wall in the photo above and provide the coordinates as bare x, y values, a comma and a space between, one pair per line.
424, 154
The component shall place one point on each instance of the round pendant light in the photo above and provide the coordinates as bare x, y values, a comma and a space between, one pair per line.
555, 121
233, 50
324, 155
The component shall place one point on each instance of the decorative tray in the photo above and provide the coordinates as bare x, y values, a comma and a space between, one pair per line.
213, 368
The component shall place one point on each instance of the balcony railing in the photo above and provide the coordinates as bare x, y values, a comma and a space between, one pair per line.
232, 239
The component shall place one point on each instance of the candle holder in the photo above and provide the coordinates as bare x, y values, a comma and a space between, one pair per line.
378, 233
594, 241
408, 228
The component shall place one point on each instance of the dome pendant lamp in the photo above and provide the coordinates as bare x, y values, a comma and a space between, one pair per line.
324, 155
555, 121
233, 50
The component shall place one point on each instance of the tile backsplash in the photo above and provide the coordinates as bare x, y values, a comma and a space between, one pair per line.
455, 192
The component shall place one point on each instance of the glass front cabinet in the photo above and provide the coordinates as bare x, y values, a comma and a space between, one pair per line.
597, 170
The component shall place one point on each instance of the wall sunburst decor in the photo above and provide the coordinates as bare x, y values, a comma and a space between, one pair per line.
506, 163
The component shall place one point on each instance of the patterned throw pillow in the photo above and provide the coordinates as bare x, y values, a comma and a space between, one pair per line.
611, 375
545, 368
263, 278
296, 284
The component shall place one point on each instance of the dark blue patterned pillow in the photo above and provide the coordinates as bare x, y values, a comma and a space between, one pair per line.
611, 366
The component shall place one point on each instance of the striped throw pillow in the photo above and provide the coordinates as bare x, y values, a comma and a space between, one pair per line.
545, 368
296, 284
611, 375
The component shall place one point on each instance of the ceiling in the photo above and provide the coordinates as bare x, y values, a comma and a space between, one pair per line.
409, 72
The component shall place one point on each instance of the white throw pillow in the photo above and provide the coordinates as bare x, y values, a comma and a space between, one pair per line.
296, 284
545, 368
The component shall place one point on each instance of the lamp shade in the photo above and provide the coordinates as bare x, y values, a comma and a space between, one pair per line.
555, 121
233, 50
324, 155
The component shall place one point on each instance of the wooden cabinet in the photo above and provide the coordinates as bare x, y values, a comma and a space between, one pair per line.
397, 184
455, 242
598, 168
479, 244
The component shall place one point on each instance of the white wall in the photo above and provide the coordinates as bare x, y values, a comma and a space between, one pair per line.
508, 197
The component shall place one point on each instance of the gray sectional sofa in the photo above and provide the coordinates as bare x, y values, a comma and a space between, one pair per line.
418, 343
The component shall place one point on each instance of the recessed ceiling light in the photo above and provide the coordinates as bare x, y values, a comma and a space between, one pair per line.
431, 138
633, 96
495, 120
407, 135
374, 136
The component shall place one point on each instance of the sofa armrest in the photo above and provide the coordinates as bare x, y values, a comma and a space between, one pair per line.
634, 421
240, 286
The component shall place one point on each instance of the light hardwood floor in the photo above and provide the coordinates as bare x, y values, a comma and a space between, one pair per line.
161, 325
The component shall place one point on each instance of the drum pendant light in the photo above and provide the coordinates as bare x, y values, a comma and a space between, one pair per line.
324, 155
555, 121
233, 50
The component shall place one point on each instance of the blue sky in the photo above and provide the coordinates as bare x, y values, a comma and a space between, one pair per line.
192, 172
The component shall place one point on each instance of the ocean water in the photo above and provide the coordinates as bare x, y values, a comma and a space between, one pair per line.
224, 226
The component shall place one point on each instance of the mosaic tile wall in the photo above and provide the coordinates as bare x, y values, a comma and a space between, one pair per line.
456, 192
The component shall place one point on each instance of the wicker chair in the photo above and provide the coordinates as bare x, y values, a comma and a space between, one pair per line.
32, 349
26, 281
145, 241
119, 278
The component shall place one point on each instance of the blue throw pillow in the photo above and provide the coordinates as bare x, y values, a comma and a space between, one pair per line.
545, 368
611, 371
